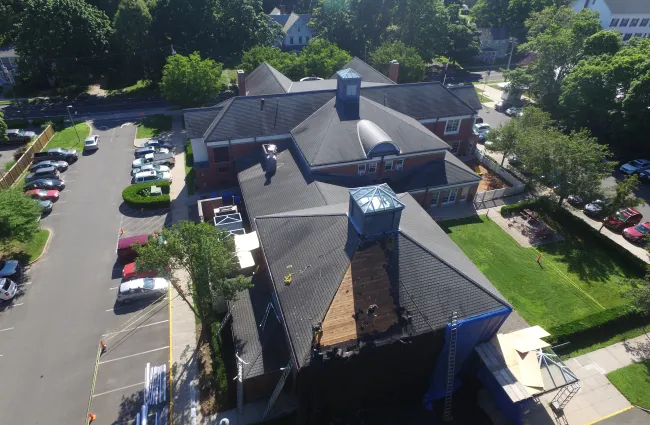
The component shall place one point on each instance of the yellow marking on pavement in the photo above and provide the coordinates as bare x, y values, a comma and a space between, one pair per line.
92, 387
610, 415
171, 371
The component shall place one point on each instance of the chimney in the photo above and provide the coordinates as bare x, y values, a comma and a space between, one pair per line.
283, 9
241, 82
393, 70
348, 92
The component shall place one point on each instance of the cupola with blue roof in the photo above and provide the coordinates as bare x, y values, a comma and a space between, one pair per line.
348, 91
375, 210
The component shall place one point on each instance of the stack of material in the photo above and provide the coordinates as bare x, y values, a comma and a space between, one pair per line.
155, 384
244, 245
519, 350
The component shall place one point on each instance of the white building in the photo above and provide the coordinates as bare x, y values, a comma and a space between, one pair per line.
294, 26
629, 17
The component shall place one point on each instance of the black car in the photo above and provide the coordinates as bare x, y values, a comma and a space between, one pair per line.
42, 173
19, 136
45, 184
11, 269
644, 176
57, 154
156, 143
59, 165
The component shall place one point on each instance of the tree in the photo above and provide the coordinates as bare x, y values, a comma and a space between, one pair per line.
57, 39
9, 18
109, 7
132, 24
188, 80
519, 10
411, 66
463, 42
424, 25
18, 218
606, 42
623, 196
282, 61
3, 129
206, 253
332, 20
639, 294
505, 139
490, 13
321, 58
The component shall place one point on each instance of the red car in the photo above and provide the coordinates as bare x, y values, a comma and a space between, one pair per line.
636, 233
128, 273
623, 218
43, 194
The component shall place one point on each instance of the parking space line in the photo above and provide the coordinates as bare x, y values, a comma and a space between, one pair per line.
7, 329
118, 389
113, 288
52, 215
136, 354
16, 305
136, 327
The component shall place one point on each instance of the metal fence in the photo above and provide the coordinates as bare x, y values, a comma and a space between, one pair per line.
25, 161
489, 195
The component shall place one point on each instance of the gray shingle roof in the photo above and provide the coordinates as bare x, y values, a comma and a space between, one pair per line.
367, 72
324, 138
443, 172
430, 274
302, 86
198, 120
468, 95
266, 80
628, 6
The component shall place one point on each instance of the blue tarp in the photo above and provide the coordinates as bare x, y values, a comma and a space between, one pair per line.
471, 332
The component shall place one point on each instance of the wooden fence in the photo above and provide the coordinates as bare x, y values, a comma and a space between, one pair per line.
25, 161
516, 187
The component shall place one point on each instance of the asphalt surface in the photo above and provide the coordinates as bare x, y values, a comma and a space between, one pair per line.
49, 335
492, 117
633, 416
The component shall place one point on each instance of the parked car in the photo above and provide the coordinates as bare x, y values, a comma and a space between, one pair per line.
154, 158
126, 247
501, 106
129, 273
157, 143
635, 167
637, 233
15, 135
514, 160
142, 289
575, 200
42, 173
8, 289
623, 218
11, 269
511, 111
46, 206
57, 184
59, 165
150, 167
481, 131
478, 120
595, 208
91, 143
57, 154
140, 152
43, 194
152, 176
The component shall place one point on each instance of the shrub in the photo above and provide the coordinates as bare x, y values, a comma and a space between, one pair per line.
219, 366
19, 152
508, 210
138, 195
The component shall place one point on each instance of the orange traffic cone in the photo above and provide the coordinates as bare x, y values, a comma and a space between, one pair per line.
103, 345
91, 416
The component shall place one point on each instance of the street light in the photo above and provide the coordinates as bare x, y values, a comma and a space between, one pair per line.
73, 125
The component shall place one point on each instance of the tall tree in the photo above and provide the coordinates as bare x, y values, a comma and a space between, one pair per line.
190, 81
463, 42
109, 7
606, 42
3, 129
57, 39
284, 62
132, 24
505, 139
321, 58
490, 13
9, 20
424, 25
18, 218
205, 253
411, 66
333, 21
519, 10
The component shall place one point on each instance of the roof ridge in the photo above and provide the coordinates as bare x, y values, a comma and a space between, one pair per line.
375, 69
459, 167
458, 97
227, 104
323, 133
303, 215
475, 283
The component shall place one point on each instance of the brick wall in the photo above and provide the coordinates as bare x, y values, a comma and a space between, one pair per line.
463, 136
207, 207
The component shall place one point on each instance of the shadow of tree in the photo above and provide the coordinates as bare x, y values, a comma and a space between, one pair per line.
129, 408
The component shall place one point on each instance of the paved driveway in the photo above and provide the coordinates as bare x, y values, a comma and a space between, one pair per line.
48, 340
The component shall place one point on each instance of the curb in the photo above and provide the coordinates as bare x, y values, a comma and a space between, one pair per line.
45, 247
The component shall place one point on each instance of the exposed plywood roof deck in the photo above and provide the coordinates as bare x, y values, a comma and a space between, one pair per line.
365, 283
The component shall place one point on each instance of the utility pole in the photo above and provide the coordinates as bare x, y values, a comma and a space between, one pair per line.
512, 48
73, 125
487, 77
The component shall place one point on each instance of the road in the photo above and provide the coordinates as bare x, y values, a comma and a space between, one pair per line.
80, 107
49, 335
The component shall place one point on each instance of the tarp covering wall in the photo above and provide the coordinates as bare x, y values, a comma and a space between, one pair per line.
471, 332
514, 412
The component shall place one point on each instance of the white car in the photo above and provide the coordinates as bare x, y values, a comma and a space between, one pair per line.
91, 143
635, 167
140, 289
150, 167
8, 289
152, 176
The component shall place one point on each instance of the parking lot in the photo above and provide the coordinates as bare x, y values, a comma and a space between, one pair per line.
49, 334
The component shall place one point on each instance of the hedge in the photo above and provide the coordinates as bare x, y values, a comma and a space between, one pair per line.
508, 210
36, 122
220, 376
136, 196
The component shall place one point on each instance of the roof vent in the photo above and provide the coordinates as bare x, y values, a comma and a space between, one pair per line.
374, 140
375, 210
270, 158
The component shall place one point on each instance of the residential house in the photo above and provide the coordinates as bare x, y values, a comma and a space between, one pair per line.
629, 17
294, 27
8, 65
344, 132
494, 44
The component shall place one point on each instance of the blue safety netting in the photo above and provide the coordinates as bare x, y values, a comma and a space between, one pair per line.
471, 332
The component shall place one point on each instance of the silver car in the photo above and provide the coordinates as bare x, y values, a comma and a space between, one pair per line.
149, 288
150, 167
91, 143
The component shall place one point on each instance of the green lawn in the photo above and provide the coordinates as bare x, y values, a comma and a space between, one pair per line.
481, 96
34, 248
153, 126
9, 164
189, 170
573, 280
69, 138
6, 102
605, 340
634, 382
139, 88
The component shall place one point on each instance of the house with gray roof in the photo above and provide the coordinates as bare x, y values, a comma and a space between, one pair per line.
295, 28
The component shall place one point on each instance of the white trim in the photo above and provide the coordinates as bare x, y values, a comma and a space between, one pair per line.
217, 144
458, 117
457, 127
409, 155
429, 121
249, 140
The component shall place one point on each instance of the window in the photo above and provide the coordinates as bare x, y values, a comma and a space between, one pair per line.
464, 192
627, 36
452, 126
221, 154
362, 169
399, 164
372, 168
307, 39
351, 90
624, 22
644, 22
638, 34
290, 40
445, 196
634, 22
388, 166
300, 40
455, 146
614, 23
434, 198
453, 194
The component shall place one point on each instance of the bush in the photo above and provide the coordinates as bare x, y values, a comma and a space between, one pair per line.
219, 366
19, 152
138, 196
508, 210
